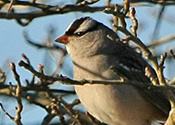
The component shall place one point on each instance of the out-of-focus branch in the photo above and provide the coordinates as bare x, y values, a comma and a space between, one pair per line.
53, 11
12, 2
161, 2
162, 41
158, 23
39, 46
49, 46
2, 77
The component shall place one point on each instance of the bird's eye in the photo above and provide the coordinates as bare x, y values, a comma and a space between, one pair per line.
79, 33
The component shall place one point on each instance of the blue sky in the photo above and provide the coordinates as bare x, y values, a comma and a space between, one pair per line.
13, 44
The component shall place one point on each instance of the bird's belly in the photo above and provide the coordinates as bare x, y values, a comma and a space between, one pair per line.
115, 104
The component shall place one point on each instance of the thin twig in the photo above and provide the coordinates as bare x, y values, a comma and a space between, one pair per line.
172, 53
19, 109
47, 119
69, 109
56, 110
3, 109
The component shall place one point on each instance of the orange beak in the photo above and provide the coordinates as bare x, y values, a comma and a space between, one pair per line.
63, 39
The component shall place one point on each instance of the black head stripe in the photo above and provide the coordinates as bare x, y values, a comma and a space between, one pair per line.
81, 26
75, 25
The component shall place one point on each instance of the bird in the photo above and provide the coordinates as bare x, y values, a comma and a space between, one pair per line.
98, 53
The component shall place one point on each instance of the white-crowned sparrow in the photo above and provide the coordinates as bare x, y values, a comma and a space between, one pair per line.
94, 49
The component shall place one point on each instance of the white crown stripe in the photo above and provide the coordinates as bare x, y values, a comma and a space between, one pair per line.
86, 25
